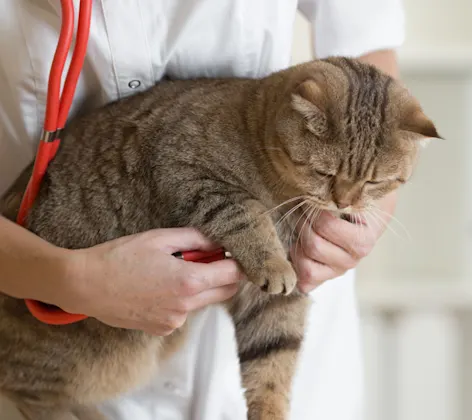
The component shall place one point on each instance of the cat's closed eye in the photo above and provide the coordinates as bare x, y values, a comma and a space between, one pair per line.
322, 174
385, 181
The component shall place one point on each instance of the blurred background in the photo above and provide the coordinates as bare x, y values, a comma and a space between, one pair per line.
415, 290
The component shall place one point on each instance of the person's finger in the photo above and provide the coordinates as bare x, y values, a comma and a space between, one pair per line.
182, 239
198, 277
212, 296
353, 238
319, 249
311, 273
172, 322
121, 323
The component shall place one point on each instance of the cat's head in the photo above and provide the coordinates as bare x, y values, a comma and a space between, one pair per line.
346, 134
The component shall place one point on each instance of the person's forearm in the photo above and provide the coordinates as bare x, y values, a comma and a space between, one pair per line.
385, 60
29, 266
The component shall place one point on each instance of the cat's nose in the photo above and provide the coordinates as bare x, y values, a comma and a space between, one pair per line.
342, 204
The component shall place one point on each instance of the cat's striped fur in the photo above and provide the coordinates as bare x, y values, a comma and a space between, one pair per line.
216, 155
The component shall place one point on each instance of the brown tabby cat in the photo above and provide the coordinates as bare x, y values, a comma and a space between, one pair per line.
216, 155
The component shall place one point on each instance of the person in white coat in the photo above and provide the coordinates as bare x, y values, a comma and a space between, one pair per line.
134, 44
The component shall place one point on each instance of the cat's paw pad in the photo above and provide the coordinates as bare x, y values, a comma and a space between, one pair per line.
276, 277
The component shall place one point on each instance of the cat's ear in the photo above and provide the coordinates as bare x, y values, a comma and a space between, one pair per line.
309, 99
418, 123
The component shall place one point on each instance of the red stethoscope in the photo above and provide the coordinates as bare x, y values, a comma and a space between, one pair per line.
57, 109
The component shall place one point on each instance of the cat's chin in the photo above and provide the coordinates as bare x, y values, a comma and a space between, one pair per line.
352, 216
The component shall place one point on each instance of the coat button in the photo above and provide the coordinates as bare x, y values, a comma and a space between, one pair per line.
134, 84
172, 388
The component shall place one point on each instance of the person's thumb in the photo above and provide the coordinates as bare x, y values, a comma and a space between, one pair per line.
182, 239
205, 276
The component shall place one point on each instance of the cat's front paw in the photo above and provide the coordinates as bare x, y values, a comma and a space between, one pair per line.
276, 277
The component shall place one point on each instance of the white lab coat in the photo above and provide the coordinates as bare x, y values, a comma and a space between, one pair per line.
133, 44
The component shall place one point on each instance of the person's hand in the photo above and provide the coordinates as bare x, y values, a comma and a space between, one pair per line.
333, 246
135, 282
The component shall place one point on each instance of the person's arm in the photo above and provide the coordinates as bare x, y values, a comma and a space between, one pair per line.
131, 282
385, 60
31, 267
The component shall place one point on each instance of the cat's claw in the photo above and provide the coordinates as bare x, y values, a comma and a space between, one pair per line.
265, 288
276, 277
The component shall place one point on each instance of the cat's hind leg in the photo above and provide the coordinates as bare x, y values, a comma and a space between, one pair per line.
269, 331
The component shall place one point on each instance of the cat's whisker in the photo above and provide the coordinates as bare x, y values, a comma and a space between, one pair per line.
372, 220
382, 222
300, 232
393, 219
366, 230
290, 200
290, 212
287, 214
356, 218
360, 232
312, 217
317, 215
296, 224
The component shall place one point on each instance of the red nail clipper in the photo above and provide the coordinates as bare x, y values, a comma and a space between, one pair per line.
203, 256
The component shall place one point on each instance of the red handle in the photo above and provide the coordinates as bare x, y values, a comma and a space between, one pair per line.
43, 156
52, 315
58, 63
199, 256
57, 109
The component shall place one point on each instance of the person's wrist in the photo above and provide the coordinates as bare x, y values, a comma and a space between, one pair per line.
61, 280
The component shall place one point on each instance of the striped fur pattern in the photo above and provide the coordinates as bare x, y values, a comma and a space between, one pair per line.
229, 157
